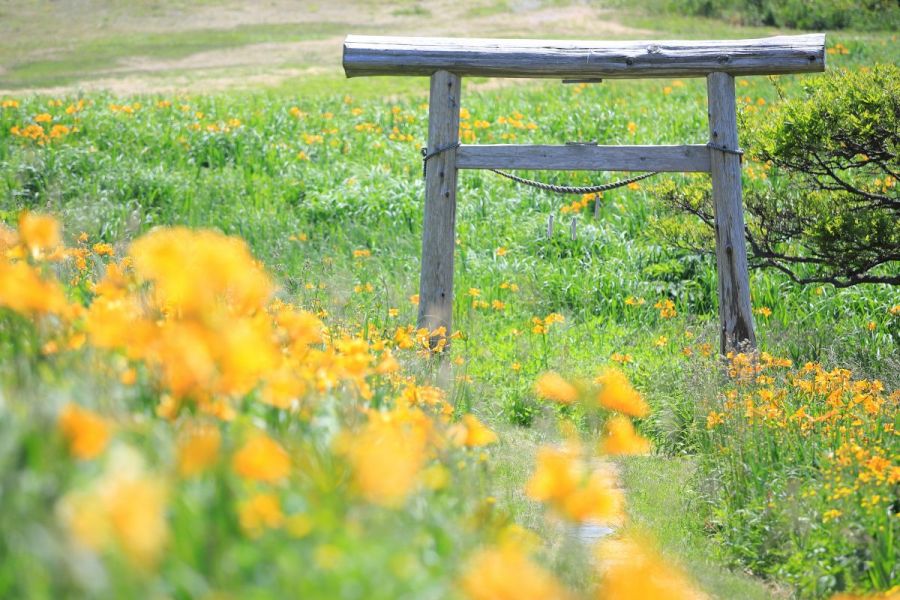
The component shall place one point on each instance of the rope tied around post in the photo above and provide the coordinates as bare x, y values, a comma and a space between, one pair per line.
737, 152
426, 155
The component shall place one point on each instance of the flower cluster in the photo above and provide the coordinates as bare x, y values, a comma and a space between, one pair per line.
840, 431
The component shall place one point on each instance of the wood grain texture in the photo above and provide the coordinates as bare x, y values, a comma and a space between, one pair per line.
735, 313
564, 59
578, 157
439, 234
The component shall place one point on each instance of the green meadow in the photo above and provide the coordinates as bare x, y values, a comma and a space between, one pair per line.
322, 178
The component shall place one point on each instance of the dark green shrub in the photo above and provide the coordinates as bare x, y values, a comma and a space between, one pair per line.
823, 200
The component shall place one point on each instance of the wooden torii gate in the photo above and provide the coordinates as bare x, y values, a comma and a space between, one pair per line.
446, 60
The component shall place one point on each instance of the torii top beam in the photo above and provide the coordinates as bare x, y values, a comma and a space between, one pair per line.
572, 59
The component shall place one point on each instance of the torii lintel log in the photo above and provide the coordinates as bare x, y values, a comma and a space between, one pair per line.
571, 59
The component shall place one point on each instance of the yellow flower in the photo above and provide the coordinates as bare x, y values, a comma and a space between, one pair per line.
387, 456
597, 500
198, 449
713, 419
551, 386
262, 459
86, 432
39, 232
562, 480
830, 515
102, 248
128, 376
763, 311
58, 131
632, 570
125, 509
621, 438
477, 433
554, 318
617, 394
621, 358
666, 308
506, 573
414, 299
194, 270
260, 512
501, 251
23, 290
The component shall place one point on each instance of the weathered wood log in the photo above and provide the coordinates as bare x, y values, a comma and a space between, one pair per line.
439, 233
565, 59
583, 157
735, 313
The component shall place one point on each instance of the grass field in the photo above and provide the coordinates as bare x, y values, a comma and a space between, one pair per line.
235, 117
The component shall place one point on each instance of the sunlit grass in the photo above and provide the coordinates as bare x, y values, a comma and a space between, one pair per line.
328, 196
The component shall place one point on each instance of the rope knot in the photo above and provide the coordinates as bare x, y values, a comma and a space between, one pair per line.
726, 150
426, 155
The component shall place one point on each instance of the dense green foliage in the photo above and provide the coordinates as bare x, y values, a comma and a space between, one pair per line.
823, 200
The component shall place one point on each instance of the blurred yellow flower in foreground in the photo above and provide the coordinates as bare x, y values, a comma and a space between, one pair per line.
260, 512
632, 570
563, 480
39, 232
177, 260
387, 455
23, 290
198, 449
621, 438
617, 394
86, 432
124, 509
477, 433
506, 573
551, 386
262, 459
